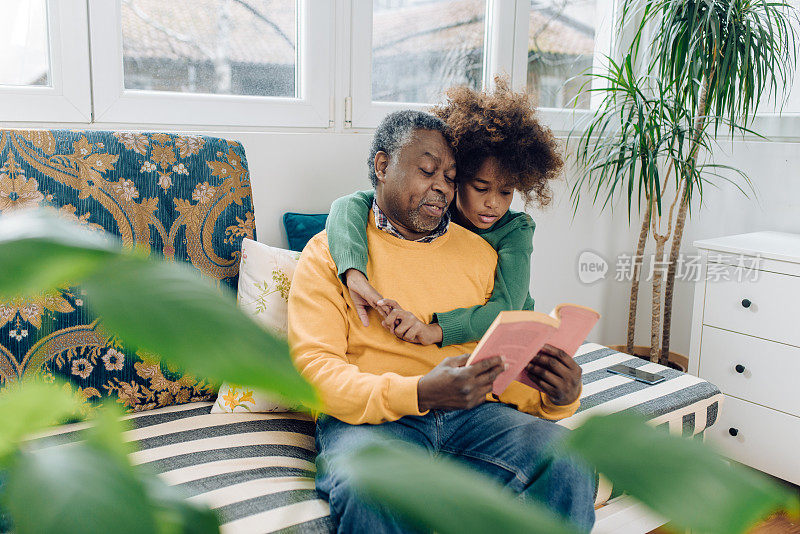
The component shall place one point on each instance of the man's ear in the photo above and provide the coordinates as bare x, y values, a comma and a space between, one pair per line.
381, 163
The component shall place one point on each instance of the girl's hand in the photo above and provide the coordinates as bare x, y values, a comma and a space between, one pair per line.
408, 327
363, 294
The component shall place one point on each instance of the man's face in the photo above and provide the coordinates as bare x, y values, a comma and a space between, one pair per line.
417, 184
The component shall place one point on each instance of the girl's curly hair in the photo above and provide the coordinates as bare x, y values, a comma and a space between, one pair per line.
502, 124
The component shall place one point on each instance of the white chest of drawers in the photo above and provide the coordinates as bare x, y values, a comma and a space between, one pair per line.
746, 340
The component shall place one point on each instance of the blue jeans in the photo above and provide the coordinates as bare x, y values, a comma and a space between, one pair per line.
514, 448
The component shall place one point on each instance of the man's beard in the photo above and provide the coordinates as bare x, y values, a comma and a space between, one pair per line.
420, 223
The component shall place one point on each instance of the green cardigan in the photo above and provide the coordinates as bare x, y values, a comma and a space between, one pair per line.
511, 236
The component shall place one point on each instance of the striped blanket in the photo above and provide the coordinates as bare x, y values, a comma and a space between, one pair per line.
257, 470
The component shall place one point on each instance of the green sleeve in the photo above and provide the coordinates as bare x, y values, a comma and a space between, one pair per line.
347, 231
511, 291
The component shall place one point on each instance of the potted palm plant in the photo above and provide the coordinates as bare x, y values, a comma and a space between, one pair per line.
692, 66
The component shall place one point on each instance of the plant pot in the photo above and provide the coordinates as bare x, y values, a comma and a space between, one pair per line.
676, 360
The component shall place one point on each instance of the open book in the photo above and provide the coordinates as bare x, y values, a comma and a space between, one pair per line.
519, 335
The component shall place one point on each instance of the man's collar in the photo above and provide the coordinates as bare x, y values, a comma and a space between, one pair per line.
383, 223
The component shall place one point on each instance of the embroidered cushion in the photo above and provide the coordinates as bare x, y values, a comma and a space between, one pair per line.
186, 198
301, 227
265, 276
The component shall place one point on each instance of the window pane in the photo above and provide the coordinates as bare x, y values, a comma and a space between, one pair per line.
422, 47
560, 45
239, 47
24, 54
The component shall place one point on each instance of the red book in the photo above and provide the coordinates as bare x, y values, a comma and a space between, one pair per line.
520, 335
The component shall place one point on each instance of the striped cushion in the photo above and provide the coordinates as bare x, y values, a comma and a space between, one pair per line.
257, 470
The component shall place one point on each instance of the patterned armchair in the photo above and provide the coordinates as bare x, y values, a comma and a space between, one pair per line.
186, 198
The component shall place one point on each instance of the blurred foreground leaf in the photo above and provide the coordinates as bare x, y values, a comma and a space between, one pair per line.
442, 494
170, 311
76, 489
681, 479
163, 307
40, 250
31, 406
171, 510
175, 513
87, 486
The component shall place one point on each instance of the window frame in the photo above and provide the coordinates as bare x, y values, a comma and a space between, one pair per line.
505, 52
115, 104
68, 97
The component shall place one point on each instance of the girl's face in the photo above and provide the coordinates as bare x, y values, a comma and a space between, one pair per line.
485, 198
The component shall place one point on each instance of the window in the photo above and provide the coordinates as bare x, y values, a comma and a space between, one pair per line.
270, 63
44, 63
422, 47
24, 51
406, 53
561, 45
227, 62
242, 47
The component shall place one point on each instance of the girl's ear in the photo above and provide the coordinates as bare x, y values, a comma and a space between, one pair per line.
381, 163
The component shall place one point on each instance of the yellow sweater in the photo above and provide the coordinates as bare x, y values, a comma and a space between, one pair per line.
366, 374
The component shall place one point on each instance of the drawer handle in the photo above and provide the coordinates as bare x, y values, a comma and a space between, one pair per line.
733, 431
746, 303
739, 368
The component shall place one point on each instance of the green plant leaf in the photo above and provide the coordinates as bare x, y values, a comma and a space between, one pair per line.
441, 494
167, 309
162, 307
29, 407
681, 479
40, 250
174, 513
76, 489
106, 431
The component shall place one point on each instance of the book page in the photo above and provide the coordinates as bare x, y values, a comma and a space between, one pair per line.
518, 342
576, 323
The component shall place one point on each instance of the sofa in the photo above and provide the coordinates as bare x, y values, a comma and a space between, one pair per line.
187, 198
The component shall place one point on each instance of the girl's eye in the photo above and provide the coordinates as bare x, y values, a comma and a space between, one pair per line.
506, 193
481, 190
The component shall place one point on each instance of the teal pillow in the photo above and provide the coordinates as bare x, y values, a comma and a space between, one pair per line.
300, 227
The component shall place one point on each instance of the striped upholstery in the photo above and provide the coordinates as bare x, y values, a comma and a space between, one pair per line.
257, 470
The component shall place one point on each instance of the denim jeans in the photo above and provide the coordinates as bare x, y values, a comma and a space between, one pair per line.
514, 448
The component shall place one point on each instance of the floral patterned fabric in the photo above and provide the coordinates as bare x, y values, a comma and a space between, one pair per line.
186, 198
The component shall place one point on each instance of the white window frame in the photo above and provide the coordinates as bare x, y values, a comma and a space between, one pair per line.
505, 52
68, 98
115, 104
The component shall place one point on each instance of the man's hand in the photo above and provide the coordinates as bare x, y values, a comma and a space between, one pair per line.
452, 385
556, 374
363, 294
408, 327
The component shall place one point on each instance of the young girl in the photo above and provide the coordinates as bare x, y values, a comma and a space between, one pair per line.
499, 147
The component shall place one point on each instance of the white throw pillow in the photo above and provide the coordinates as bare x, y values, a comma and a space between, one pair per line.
265, 275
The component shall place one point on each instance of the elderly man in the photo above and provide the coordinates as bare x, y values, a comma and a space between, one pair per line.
374, 385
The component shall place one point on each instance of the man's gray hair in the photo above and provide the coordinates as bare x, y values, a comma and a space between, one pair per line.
395, 130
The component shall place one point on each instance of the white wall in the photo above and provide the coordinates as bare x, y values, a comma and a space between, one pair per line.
774, 168
306, 171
